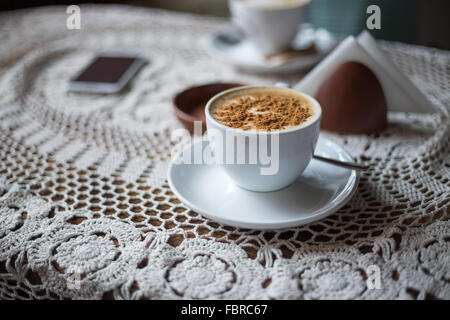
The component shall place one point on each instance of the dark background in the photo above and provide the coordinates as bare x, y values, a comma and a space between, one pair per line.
424, 22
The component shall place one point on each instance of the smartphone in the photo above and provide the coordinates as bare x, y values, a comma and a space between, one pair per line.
107, 73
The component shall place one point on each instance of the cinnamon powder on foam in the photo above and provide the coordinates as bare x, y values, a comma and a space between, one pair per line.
263, 112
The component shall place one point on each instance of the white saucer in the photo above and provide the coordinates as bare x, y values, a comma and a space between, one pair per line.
230, 48
320, 191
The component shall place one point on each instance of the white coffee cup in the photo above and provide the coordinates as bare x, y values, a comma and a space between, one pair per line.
293, 152
270, 28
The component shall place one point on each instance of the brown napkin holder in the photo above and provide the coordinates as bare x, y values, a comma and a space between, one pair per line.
352, 100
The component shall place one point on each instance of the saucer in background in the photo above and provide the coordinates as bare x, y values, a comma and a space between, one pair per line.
309, 47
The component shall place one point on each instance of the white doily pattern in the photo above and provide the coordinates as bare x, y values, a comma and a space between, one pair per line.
86, 212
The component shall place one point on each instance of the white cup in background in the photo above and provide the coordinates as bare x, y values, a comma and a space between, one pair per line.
270, 25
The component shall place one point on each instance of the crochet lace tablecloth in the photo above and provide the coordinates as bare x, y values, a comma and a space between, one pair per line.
86, 212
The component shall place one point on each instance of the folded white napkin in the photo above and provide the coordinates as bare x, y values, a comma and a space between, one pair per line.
401, 94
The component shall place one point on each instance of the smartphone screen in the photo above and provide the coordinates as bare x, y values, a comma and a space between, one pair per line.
106, 74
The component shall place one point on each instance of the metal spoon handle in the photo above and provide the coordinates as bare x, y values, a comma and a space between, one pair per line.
344, 164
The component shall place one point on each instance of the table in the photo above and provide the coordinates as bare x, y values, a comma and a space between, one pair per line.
86, 212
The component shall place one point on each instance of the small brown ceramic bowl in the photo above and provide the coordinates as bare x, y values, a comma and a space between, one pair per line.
189, 105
